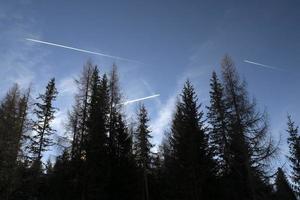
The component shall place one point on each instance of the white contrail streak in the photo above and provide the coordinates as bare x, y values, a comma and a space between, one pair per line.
140, 99
263, 65
81, 50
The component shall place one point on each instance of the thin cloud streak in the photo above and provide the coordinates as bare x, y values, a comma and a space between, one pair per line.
81, 50
263, 65
140, 99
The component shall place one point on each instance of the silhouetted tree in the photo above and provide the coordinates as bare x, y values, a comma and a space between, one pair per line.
250, 146
97, 139
188, 157
218, 119
294, 148
44, 111
13, 121
143, 148
283, 188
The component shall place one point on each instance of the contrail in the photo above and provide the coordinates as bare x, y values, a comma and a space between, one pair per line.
81, 50
140, 99
263, 65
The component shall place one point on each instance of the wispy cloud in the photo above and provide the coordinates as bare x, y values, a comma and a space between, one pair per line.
80, 50
263, 65
67, 86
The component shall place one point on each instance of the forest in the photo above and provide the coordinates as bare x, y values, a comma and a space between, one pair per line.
221, 151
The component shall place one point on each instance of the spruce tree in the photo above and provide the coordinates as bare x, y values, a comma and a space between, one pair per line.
143, 148
218, 119
283, 188
294, 148
44, 111
189, 158
97, 151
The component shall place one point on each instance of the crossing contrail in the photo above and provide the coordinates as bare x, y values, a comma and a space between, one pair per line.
263, 65
140, 99
81, 50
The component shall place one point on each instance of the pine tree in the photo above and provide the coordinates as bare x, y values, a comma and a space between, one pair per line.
218, 120
283, 188
189, 158
143, 148
44, 111
294, 148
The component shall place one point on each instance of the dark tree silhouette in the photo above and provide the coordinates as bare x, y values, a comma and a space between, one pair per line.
250, 146
219, 123
143, 148
13, 121
189, 155
283, 188
44, 111
294, 157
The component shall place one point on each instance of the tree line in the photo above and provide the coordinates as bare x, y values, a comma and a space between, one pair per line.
226, 153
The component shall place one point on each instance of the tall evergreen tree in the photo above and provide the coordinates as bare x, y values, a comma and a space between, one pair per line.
44, 111
294, 148
143, 148
218, 120
283, 188
97, 151
190, 161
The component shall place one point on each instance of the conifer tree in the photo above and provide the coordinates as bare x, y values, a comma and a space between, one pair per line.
218, 120
44, 111
190, 161
78, 117
97, 151
250, 145
13, 121
294, 148
283, 188
122, 164
143, 148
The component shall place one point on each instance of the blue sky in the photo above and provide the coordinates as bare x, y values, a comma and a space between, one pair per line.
173, 40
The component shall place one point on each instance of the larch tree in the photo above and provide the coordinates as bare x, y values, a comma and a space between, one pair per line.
13, 122
122, 163
250, 145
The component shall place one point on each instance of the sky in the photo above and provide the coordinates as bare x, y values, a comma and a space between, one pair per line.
170, 40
